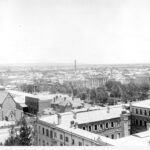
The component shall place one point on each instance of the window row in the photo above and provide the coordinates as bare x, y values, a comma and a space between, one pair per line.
46, 132
50, 134
141, 112
140, 122
45, 143
101, 126
112, 136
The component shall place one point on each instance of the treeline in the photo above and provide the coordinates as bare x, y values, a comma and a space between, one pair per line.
110, 91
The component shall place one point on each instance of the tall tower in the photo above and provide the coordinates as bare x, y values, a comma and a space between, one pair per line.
75, 66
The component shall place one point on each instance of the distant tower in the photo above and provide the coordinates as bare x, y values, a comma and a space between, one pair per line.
111, 73
75, 66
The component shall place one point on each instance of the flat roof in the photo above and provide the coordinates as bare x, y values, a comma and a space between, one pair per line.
139, 139
143, 104
85, 116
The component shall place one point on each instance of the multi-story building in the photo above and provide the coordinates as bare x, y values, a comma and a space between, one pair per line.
95, 82
140, 116
84, 127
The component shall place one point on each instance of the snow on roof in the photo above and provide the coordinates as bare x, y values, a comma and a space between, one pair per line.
19, 99
19, 93
41, 96
6, 123
86, 116
87, 134
139, 139
144, 104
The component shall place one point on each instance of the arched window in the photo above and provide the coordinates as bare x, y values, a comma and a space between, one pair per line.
112, 136
112, 124
106, 125
95, 126
90, 128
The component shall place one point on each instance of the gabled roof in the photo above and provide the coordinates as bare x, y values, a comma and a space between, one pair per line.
3, 95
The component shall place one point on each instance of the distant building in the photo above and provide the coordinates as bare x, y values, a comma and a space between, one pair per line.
142, 79
37, 103
95, 82
66, 103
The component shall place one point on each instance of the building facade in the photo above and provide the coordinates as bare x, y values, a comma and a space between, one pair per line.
71, 129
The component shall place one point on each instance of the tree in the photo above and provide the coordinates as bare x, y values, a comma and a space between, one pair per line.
23, 137
93, 95
101, 95
13, 139
25, 133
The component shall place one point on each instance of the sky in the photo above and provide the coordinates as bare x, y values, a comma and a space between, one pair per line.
60, 31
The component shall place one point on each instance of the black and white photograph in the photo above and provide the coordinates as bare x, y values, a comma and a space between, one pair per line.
75, 73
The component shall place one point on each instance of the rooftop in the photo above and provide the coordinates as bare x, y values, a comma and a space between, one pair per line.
144, 104
85, 116
139, 139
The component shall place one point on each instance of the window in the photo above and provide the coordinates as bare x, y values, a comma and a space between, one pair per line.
47, 132
136, 111
43, 131
66, 139
39, 142
80, 144
118, 124
51, 134
61, 136
43, 143
73, 142
141, 112
39, 129
61, 144
89, 128
145, 123
95, 127
118, 135
112, 136
83, 128
140, 122
101, 126
106, 125
145, 113
149, 113
136, 122
112, 124
55, 134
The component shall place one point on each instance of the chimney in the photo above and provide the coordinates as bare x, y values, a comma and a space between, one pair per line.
76, 125
108, 109
71, 124
148, 125
59, 119
74, 115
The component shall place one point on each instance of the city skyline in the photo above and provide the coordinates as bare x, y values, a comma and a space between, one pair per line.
92, 32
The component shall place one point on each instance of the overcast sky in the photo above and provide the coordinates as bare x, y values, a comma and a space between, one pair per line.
90, 31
